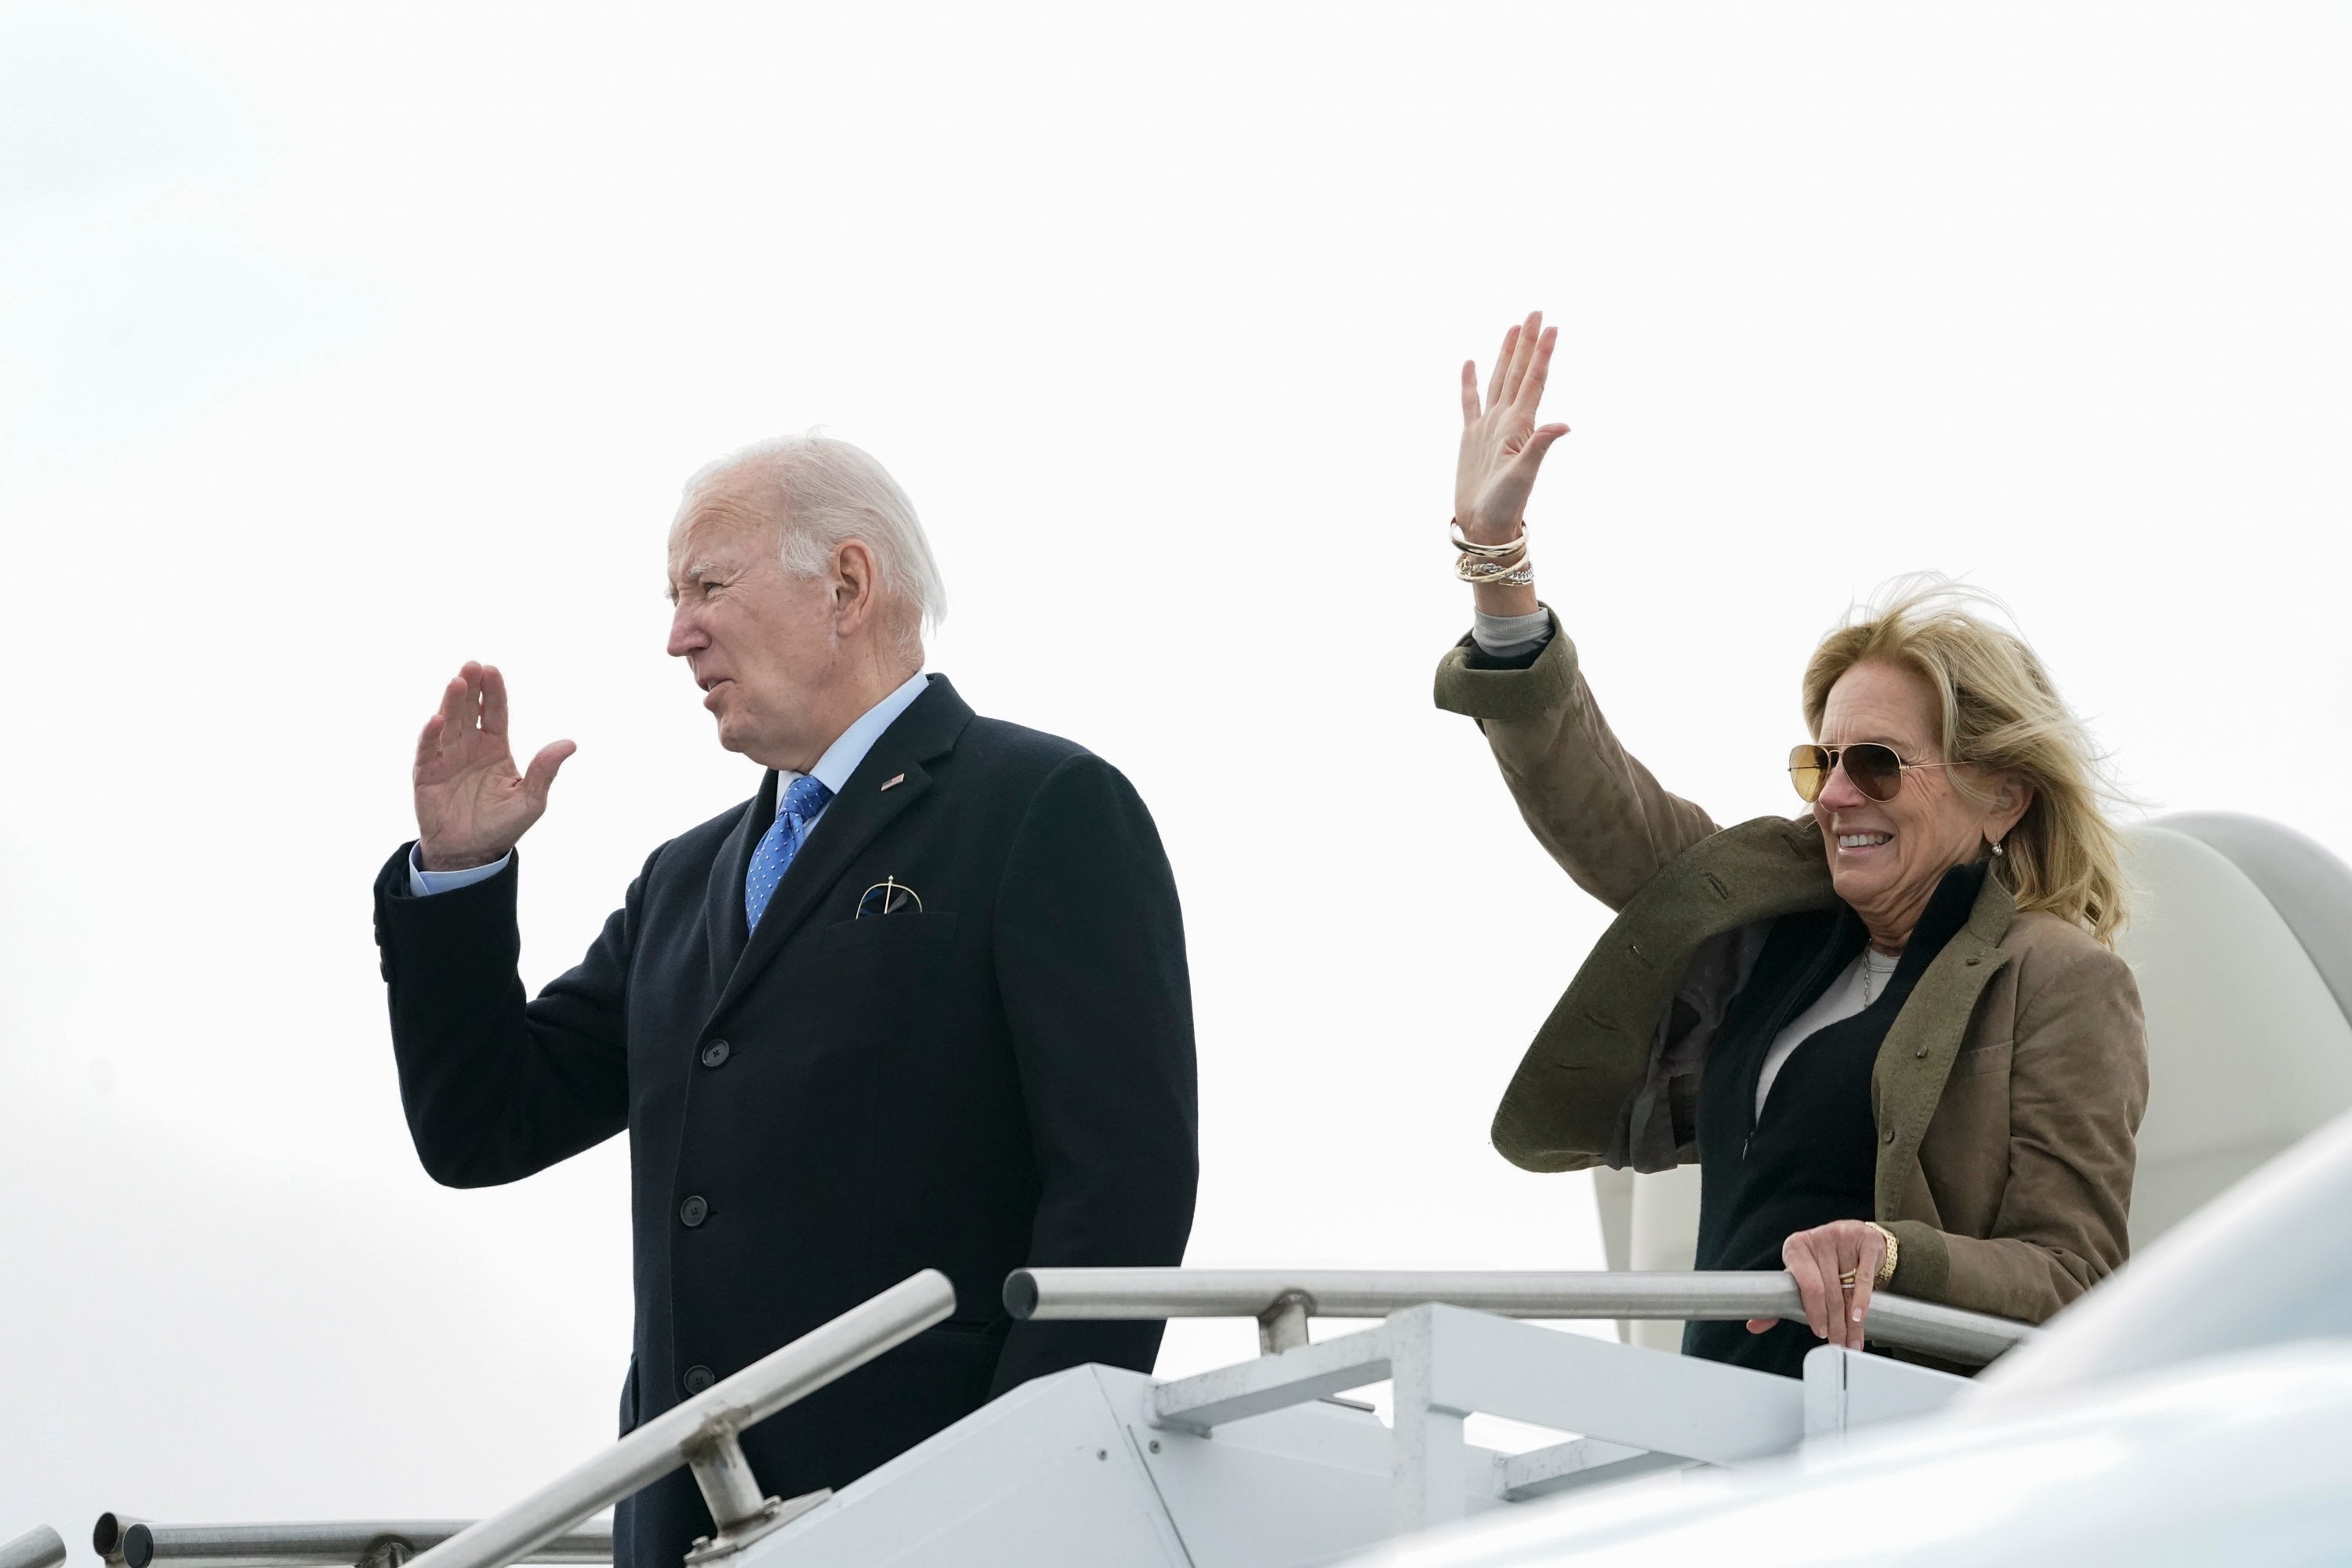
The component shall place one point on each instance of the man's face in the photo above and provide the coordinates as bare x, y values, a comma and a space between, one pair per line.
760, 642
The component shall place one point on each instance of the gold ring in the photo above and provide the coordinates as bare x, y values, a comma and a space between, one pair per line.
1846, 1279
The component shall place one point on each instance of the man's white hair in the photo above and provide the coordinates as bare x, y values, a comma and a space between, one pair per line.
828, 492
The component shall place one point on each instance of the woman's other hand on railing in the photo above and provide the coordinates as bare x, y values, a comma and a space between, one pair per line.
1822, 1261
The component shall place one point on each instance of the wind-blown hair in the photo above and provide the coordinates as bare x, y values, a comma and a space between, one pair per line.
830, 492
2000, 713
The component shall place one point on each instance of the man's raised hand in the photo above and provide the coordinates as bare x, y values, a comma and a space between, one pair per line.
471, 804
1502, 445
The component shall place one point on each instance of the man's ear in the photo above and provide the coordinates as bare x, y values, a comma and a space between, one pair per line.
854, 582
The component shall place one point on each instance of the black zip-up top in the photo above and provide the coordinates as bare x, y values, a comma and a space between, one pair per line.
1811, 1156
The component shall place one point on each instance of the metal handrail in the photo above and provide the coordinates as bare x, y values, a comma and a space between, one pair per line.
1287, 1296
701, 1431
330, 1544
106, 1536
39, 1547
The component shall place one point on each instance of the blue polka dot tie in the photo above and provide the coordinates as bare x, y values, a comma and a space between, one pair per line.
779, 844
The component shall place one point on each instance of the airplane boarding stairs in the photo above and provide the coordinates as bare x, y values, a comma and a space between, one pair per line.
1250, 1465
1254, 1465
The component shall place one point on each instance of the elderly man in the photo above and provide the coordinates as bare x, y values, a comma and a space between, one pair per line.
921, 1002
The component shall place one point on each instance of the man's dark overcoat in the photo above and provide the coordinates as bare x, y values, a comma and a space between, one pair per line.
1002, 1078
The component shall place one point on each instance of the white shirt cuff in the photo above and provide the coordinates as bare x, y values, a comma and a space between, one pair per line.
424, 884
1511, 636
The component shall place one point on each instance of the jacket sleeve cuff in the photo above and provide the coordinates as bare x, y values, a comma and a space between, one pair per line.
1507, 695
1923, 1267
448, 934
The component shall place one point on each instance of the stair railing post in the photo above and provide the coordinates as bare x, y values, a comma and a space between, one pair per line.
1283, 1325
1427, 1445
740, 1506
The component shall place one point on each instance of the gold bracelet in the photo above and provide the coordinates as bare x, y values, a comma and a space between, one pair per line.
1494, 573
1469, 566
1488, 551
1893, 1249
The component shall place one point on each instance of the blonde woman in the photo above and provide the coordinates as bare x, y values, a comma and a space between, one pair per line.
1892, 1031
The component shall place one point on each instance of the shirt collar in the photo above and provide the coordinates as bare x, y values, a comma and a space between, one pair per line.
841, 758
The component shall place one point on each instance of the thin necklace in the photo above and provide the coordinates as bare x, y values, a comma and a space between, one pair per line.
1870, 974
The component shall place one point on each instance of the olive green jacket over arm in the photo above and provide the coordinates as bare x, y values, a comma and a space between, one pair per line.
2008, 1091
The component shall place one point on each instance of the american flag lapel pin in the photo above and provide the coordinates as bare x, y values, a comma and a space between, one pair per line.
893, 780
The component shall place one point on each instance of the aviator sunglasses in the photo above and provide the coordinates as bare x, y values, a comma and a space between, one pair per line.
1875, 769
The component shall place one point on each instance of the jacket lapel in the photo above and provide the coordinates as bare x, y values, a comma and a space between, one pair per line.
1906, 1082
723, 900
926, 731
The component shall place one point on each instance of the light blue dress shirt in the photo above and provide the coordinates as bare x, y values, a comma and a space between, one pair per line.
832, 770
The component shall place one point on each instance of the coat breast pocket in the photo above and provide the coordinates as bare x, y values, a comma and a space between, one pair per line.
911, 933
886, 980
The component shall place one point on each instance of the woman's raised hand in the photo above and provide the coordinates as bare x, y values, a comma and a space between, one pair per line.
472, 804
1502, 445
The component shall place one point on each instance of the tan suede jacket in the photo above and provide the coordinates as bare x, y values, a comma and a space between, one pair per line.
2007, 1093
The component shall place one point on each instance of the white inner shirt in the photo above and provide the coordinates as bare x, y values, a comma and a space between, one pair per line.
1862, 983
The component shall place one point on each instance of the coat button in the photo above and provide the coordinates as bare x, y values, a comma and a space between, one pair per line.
1921, 1053
1885, 1137
716, 1052
694, 1211
698, 1378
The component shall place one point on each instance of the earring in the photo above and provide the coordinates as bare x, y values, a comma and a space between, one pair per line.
1997, 848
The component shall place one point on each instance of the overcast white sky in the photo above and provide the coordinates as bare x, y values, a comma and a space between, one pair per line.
338, 344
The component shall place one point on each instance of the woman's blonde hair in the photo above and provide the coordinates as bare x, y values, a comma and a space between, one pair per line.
2000, 713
